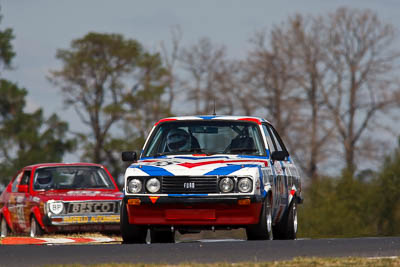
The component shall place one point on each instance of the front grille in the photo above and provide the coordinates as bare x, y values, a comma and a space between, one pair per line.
189, 185
92, 207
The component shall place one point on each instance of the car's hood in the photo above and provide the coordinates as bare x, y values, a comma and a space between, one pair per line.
195, 165
77, 195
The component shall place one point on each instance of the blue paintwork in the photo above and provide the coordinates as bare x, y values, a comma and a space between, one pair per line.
226, 170
250, 157
198, 158
160, 157
187, 195
207, 117
263, 192
152, 170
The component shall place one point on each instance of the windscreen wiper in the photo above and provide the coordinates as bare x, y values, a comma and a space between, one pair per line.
243, 150
157, 155
198, 150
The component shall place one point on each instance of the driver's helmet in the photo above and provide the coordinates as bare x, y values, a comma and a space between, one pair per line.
178, 140
44, 179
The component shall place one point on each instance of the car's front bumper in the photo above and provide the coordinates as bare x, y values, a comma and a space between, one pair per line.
84, 222
61, 220
194, 211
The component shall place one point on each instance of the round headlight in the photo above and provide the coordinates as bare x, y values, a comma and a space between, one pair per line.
153, 185
134, 186
245, 185
56, 207
226, 185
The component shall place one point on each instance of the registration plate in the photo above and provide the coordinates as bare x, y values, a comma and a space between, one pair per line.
190, 214
92, 207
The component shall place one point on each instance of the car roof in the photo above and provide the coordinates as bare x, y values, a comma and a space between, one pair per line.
63, 164
257, 120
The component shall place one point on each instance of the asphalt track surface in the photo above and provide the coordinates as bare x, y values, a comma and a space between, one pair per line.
202, 252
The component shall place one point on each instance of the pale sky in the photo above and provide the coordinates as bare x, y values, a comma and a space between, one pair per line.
43, 26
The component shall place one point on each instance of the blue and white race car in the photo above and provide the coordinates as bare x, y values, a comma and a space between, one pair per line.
210, 172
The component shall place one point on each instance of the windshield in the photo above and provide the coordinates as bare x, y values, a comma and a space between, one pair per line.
72, 177
205, 137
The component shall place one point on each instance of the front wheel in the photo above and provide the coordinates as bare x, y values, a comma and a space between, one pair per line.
262, 230
131, 233
5, 230
35, 228
291, 230
287, 227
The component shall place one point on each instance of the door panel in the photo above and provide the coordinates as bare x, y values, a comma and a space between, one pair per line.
18, 204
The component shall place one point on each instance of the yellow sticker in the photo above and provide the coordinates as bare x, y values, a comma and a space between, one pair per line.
76, 219
104, 219
92, 219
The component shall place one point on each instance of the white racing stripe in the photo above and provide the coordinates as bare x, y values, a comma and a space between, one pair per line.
76, 240
57, 240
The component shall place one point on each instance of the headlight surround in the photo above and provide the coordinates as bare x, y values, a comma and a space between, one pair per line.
55, 207
245, 185
153, 185
226, 185
134, 186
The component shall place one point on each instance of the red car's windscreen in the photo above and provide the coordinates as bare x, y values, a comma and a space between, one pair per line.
72, 177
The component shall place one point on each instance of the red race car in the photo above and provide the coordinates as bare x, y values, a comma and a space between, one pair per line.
59, 197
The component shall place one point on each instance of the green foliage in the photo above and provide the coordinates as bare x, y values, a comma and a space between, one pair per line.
97, 60
111, 81
146, 103
338, 207
27, 138
388, 195
12, 100
347, 206
6, 50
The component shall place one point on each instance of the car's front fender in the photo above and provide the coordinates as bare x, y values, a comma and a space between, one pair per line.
36, 212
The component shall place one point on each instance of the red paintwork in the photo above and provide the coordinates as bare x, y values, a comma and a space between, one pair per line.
251, 119
163, 120
244, 161
198, 214
35, 211
34, 200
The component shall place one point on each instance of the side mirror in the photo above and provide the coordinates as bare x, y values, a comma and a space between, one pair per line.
130, 156
279, 155
23, 188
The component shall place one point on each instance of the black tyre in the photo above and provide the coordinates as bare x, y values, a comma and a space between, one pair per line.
35, 230
5, 230
162, 236
287, 227
262, 230
131, 233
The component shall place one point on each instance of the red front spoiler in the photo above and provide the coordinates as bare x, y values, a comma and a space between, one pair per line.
196, 214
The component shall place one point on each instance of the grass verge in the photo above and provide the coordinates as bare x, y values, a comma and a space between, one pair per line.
298, 262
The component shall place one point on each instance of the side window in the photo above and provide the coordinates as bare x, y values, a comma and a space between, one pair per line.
277, 139
270, 141
14, 187
25, 178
